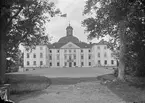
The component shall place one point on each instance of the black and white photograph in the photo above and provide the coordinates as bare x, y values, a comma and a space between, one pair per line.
72, 51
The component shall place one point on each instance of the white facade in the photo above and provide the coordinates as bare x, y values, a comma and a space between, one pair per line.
69, 52
37, 57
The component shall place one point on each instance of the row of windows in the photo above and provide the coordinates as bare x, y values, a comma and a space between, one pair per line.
69, 56
105, 62
82, 63
70, 51
34, 63
34, 55
73, 63
65, 56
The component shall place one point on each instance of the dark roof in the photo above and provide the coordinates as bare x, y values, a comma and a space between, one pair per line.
58, 45
67, 39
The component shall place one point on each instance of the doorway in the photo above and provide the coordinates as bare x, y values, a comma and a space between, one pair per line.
70, 64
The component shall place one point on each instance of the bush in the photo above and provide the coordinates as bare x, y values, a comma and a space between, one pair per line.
21, 83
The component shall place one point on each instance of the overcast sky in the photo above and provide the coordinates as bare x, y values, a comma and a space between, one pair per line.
57, 26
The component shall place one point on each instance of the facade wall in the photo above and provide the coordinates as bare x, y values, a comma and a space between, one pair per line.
63, 56
31, 59
105, 55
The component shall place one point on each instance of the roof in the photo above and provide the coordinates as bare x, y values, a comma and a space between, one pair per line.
58, 45
67, 39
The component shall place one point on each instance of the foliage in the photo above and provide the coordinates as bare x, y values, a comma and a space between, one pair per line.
123, 21
25, 23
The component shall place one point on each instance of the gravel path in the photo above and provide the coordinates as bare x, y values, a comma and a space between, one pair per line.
85, 92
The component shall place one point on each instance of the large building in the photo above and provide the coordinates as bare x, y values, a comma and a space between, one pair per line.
69, 51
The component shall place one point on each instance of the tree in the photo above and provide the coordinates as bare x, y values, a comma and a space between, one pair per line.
113, 18
22, 21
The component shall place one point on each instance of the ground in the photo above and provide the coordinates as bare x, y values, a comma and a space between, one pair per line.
79, 85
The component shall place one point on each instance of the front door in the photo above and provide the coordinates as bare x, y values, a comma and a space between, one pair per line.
70, 64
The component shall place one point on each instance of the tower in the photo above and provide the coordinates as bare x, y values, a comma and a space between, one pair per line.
69, 30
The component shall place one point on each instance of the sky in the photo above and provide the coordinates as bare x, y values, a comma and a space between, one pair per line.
57, 25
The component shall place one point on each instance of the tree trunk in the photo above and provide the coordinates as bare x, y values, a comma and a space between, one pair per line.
2, 62
121, 70
121, 67
3, 23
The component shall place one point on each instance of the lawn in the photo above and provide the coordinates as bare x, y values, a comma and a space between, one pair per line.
133, 90
22, 83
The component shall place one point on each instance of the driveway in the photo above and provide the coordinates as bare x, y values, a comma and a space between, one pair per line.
84, 92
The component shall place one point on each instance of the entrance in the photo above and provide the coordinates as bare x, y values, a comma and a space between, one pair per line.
70, 64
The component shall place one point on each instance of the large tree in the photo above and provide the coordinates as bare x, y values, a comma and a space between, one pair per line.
114, 18
22, 22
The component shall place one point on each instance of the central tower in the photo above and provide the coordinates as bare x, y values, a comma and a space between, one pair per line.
69, 30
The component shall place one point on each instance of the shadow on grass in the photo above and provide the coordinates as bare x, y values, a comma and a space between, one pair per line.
128, 91
69, 81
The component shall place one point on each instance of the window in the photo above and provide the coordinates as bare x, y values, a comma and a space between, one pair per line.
50, 64
70, 51
41, 62
105, 62
50, 57
41, 48
89, 57
57, 63
98, 54
89, 63
81, 51
57, 51
34, 62
65, 50
112, 61
82, 57
74, 50
28, 63
27, 55
34, 55
41, 55
69, 57
74, 56
50, 51
99, 62
89, 50
65, 56
98, 47
105, 55
65, 63
57, 57
74, 63
82, 63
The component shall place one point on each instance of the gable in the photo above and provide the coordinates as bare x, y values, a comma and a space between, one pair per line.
70, 45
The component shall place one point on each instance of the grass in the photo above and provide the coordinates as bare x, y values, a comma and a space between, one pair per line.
133, 90
21, 83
